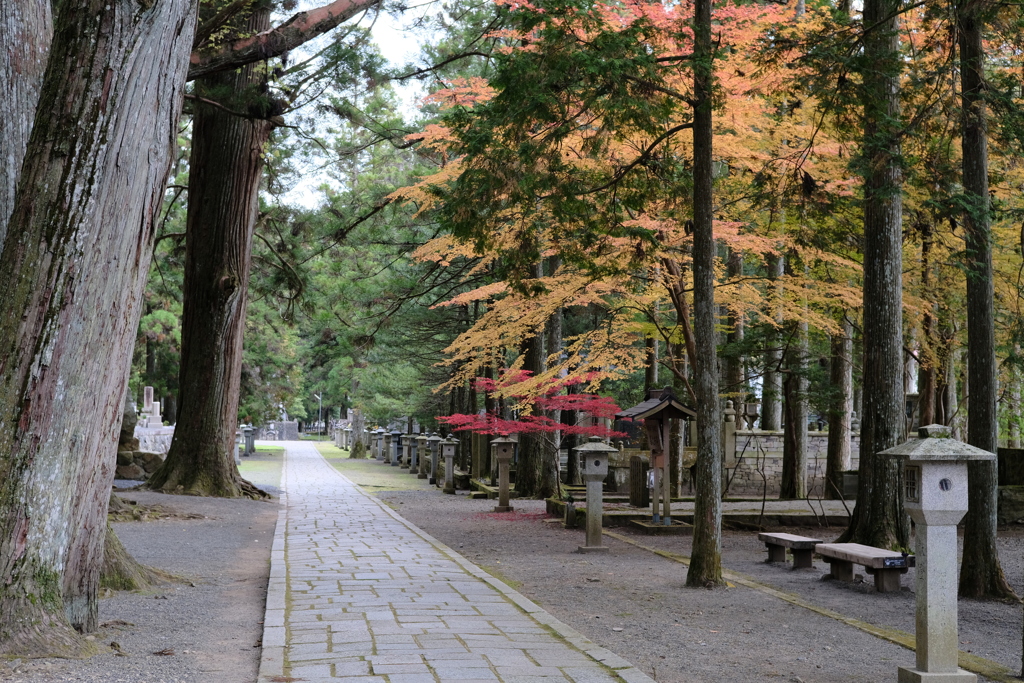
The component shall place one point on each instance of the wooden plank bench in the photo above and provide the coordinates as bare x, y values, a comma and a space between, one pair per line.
885, 565
802, 548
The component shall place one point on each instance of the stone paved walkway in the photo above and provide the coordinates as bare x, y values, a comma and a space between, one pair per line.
357, 593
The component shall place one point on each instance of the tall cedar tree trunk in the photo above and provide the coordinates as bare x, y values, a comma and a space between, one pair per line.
771, 396
983, 575
837, 457
926, 371
879, 519
91, 183
225, 171
531, 446
734, 370
26, 28
550, 476
706, 557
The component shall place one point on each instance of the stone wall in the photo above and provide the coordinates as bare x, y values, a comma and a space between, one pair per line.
154, 439
757, 458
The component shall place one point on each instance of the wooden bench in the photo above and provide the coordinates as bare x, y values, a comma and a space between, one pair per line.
802, 548
885, 565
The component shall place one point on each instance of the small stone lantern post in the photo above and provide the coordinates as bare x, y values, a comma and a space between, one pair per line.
448, 447
936, 499
406, 456
250, 440
435, 443
424, 456
396, 448
385, 451
502, 447
346, 438
594, 465
414, 454
238, 445
379, 452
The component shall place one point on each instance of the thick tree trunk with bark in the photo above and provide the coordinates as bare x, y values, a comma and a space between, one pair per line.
927, 368
983, 575
225, 172
878, 518
532, 446
72, 281
26, 28
841, 378
706, 556
771, 396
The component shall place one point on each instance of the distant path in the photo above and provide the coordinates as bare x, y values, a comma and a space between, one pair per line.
358, 593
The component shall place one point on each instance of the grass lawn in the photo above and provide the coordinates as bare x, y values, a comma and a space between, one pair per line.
368, 473
263, 468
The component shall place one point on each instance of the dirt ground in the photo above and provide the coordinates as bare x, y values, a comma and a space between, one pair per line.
630, 600
204, 629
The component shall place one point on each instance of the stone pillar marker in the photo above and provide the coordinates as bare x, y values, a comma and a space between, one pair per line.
250, 440
414, 453
396, 447
424, 456
346, 438
448, 447
435, 444
386, 449
502, 449
594, 465
406, 450
935, 476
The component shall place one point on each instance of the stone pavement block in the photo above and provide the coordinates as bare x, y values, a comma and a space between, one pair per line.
508, 672
588, 674
311, 671
411, 678
388, 669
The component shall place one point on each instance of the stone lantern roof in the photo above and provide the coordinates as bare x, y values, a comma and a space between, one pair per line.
934, 443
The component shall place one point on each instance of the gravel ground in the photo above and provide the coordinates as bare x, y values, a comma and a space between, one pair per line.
629, 600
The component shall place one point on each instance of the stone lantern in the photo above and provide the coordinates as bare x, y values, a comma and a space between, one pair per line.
448, 448
503, 449
385, 451
396, 448
250, 440
238, 446
935, 478
406, 456
594, 466
435, 443
346, 438
378, 452
424, 456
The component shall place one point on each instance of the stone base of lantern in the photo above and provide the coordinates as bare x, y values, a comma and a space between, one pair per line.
592, 549
914, 676
504, 508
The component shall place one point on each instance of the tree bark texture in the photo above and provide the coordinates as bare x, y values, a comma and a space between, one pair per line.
878, 519
771, 396
837, 458
225, 171
26, 28
72, 273
706, 557
983, 575
928, 367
